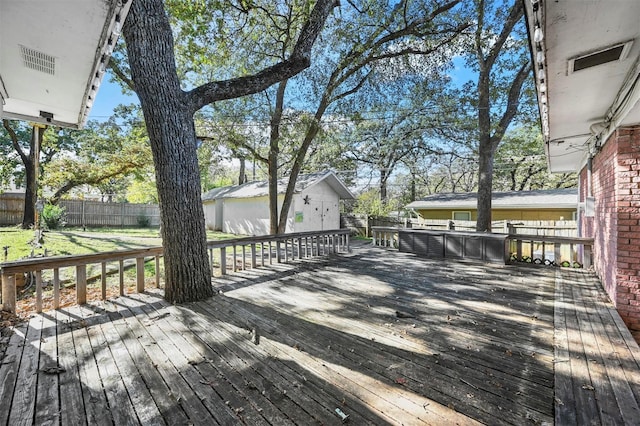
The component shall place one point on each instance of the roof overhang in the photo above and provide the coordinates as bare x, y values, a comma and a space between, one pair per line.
587, 70
53, 56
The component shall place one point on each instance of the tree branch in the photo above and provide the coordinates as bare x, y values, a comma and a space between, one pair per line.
299, 59
512, 103
122, 75
14, 141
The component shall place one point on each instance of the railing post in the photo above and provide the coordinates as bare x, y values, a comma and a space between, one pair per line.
211, 260
300, 256
347, 238
333, 243
223, 260
262, 254
318, 246
586, 262
286, 250
81, 284
9, 292
140, 274
373, 238
278, 254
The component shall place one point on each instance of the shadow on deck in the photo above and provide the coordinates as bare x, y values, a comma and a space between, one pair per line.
382, 336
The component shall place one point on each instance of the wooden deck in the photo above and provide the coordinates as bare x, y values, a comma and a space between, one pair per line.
385, 337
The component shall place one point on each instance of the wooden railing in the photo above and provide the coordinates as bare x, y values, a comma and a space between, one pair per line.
282, 247
385, 236
263, 250
537, 249
551, 250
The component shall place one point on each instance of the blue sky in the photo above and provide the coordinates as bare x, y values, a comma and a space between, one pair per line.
109, 96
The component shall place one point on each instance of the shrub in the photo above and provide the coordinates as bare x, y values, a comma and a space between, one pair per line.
144, 221
53, 216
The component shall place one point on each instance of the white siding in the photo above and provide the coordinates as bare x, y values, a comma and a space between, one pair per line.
213, 214
248, 216
322, 212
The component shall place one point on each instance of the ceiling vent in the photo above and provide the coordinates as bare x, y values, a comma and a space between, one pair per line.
38, 61
614, 53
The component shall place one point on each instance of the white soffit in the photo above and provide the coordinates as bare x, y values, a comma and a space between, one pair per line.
53, 56
576, 104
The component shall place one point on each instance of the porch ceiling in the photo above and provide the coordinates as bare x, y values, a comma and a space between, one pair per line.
53, 56
580, 108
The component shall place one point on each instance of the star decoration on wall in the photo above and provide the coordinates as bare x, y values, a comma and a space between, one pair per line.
306, 199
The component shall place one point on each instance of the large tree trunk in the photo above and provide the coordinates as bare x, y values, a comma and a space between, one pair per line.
485, 184
384, 177
274, 151
31, 164
31, 190
169, 121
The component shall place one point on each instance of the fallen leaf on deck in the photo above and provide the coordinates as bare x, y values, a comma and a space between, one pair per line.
588, 387
54, 369
401, 381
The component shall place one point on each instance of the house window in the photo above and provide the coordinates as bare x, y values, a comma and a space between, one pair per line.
461, 215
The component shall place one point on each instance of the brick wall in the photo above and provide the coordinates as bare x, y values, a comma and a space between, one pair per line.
616, 224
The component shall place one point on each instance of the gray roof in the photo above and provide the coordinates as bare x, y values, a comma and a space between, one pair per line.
261, 188
550, 199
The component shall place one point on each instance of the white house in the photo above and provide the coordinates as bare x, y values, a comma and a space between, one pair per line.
244, 209
53, 56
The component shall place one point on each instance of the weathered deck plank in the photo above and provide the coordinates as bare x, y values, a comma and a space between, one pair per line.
23, 405
47, 406
403, 341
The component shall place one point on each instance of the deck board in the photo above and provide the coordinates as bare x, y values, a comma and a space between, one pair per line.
472, 344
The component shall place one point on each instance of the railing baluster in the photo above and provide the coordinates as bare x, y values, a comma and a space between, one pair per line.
158, 271
103, 280
262, 254
56, 288
253, 256
140, 274
223, 260
81, 284
235, 258
270, 259
244, 257
38, 276
211, 260
121, 276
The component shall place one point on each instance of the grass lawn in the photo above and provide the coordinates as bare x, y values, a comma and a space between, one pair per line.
78, 241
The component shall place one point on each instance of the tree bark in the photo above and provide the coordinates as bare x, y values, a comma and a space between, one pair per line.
29, 163
274, 151
169, 121
168, 113
487, 141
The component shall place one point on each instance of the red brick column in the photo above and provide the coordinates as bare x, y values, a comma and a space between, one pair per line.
615, 226
628, 202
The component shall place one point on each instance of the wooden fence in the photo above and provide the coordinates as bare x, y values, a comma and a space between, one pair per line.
86, 213
225, 256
